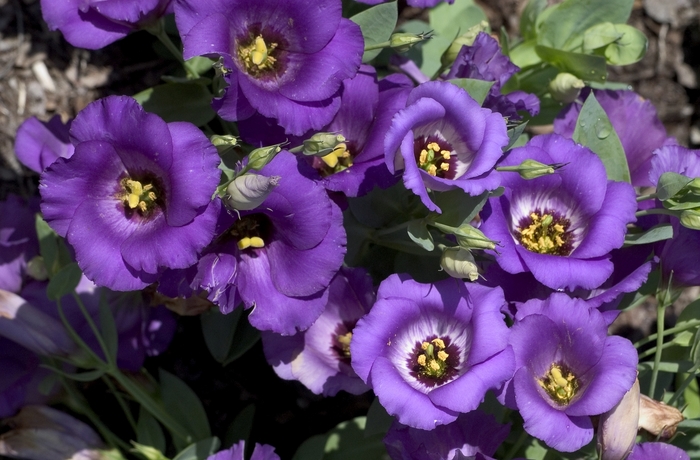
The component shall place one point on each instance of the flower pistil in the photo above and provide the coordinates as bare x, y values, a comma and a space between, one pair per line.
256, 56
137, 195
560, 384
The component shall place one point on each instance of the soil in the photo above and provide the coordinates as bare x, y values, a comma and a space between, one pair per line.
42, 75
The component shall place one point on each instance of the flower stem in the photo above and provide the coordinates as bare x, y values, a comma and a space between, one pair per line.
158, 31
683, 327
390, 230
660, 317
650, 196
378, 46
516, 447
692, 374
122, 403
650, 212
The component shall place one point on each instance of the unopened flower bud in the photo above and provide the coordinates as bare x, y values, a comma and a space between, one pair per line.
36, 268
617, 428
694, 186
224, 140
459, 263
690, 218
466, 39
658, 418
531, 169
402, 42
565, 87
258, 158
248, 191
469, 237
322, 144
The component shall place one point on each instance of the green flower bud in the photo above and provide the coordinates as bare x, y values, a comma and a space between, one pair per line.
466, 39
690, 218
248, 191
258, 158
322, 144
459, 263
469, 237
402, 42
617, 428
223, 143
531, 169
565, 87
694, 186
36, 268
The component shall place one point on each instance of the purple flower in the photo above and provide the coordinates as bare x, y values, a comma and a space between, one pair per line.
279, 257
287, 59
639, 139
560, 227
444, 140
237, 452
38, 143
18, 241
567, 369
366, 109
431, 351
657, 451
319, 357
135, 197
93, 24
472, 433
484, 60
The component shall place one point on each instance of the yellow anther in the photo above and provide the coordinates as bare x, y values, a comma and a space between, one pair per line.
243, 243
445, 166
424, 345
423, 158
445, 155
442, 356
259, 53
133, 200
432, 170
257, 242
421, 360
558, 377
331, 160
434, 146
135, 187
438, 343
434, 366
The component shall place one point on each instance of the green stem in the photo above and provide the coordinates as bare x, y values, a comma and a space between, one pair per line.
439, 72
650, 196
93, 327
660, 311
516, 447
650, 212
673, 330
74, 335
378, 46
692, 374
652, 351
156, 409
158, 31
122, 403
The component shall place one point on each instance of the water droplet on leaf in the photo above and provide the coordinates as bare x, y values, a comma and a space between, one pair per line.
602, 129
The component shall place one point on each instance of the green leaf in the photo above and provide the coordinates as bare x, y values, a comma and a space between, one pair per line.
477, 89
178, 102
348, 442
184, 406
108, 329
377, 24
457, 207
528, 18
243, 340
148, 452
312, 448
671, 183
64, 281
594, 130
620, 44
149, 431
48, 245
691, 395
524, 55
218, 331
87, 376
240, 428
514, 134
564, 28
418, 232
378, 420
657, 233
584, 66
200, 450
200, 64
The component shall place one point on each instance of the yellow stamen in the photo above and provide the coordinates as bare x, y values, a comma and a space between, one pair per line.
442, 356
434, 146
432, 170
421, 360
243, 243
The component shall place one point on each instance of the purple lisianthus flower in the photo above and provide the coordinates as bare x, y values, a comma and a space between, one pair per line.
286, 59
319, 357
431, 351
444, 140
135, 197
639, 139
472, 433
484, 60
18, 241
93, 24
657, 451
279, 257
560, 227
567, 369
366, 110
38, 143
237, 452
